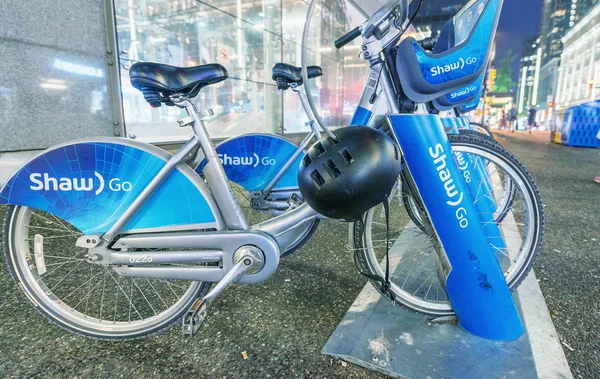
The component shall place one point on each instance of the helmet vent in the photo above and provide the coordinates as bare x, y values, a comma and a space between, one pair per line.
333, 169
307, 161
319, 147
317, 178
347, 156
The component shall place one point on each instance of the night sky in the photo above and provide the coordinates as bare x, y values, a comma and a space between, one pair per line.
520, 19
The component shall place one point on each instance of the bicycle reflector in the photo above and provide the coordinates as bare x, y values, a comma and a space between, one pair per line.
345, 178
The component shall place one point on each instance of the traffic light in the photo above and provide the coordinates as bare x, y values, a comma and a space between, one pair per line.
492, 79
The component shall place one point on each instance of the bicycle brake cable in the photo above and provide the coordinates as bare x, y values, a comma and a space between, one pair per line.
384, 282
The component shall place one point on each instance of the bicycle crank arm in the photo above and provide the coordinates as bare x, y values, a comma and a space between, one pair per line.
249, 260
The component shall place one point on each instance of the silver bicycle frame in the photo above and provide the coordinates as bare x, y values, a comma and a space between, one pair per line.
314, 133
279, 227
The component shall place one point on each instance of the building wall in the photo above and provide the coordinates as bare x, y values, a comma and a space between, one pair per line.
557, 17
248, 38
54, 82
528, 74
548, 80
579, 75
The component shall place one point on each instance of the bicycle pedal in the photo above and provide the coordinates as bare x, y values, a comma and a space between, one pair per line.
194, 318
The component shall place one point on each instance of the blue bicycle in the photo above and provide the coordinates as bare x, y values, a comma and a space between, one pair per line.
115, 239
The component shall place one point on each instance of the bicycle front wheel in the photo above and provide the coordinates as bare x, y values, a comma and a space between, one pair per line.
416, 255
84, 297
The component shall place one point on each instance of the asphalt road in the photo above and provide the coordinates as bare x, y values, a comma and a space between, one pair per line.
283, 323
568, 267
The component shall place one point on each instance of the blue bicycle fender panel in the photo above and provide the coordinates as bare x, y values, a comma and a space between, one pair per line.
426, 76
461, 96
473, 104
450, 125
475, 285
361, 117
90, 184
253, 160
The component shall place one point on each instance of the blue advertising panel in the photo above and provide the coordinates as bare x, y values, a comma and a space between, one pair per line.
471, 57
478, 183
253, 160
475, 285
464, 95
90, 184
473, 104
450, 125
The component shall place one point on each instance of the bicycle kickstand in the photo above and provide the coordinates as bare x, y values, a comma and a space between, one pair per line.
249, 262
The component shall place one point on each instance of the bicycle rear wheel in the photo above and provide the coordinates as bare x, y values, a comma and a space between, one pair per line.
84, 297
415, 252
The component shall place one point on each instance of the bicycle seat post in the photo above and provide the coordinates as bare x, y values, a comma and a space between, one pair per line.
311, 119
214, 173
193, 119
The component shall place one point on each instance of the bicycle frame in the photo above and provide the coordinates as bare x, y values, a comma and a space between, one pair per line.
218, 183
381, 80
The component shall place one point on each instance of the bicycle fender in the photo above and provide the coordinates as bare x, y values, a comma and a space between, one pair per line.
475, 285
253, 160
473, 104
465, 95
90, 183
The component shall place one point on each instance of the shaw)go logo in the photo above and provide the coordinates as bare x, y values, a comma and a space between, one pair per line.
458, 65
253, 160
45, 182
454, 197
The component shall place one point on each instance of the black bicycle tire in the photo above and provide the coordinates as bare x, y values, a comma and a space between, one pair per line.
533, 191
487, 130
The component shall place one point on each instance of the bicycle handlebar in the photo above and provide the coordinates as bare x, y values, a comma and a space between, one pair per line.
348, 37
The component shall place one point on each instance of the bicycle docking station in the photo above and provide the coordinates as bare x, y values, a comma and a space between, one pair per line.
495, 334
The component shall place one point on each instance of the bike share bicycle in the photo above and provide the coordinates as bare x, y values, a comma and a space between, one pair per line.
149, 234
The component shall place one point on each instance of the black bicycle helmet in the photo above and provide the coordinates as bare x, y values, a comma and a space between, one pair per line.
343, 179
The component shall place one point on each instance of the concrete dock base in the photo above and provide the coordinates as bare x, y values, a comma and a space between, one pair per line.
393, 340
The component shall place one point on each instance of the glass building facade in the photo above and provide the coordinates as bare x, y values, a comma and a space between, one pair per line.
434, 14
558, 16
528, 74
579, 74
248, 38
